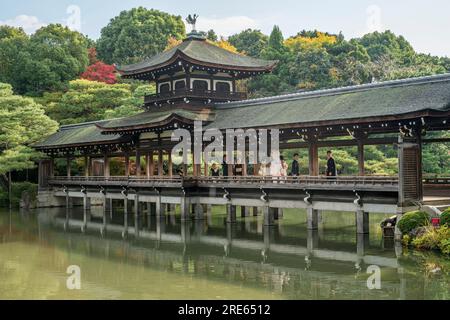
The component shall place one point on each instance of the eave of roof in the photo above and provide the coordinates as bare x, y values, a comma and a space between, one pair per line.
199, 52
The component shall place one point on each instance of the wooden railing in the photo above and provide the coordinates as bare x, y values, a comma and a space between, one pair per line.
251, 181
436, 180
196, 94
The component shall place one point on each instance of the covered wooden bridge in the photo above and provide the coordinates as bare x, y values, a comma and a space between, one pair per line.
197, 82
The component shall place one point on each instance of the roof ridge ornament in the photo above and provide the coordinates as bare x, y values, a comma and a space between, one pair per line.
192, 20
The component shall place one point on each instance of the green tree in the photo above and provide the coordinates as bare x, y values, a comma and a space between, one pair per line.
249, 41
45, 61
212, 36
22, 123
138, 34
91, 101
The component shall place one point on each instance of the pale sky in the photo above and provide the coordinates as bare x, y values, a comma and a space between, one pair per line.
425, 24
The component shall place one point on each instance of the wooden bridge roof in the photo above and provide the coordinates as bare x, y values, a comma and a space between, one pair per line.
78, 135
199, 51
361, 103
393, 100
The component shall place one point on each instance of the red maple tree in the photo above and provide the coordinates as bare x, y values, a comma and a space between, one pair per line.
100, 72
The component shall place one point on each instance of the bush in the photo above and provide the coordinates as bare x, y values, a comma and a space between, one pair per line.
434, 239
445, 246
413, 220
17, 190
445, 218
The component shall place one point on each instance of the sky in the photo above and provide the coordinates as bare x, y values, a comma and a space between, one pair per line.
425, 24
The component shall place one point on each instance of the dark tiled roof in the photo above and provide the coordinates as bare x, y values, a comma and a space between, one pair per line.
79, 134
152, 117
365, 101
393, 98
202, 52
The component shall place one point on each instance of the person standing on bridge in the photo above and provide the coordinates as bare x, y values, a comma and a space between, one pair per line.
225, 166
295, 171
331, 166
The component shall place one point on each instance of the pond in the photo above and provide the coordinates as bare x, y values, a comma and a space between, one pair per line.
210, 259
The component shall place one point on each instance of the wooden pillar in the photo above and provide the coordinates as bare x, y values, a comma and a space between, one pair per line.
127, 165
68, 167
106, 168
313, 159
361, 158
87, 166
170, 165
138, 163
152, 164
160, 163
52, 167
148, 170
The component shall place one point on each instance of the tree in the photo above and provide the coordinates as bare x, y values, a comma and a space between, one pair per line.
138, 34
100, 72
45, 61
22, 123
251, 42
212, 36
91, 101
276, 39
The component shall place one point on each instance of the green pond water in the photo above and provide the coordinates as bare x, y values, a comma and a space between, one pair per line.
209, 259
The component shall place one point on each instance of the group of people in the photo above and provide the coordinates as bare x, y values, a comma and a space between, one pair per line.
275, 169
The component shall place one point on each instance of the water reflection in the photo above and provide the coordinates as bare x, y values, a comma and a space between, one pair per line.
166, 258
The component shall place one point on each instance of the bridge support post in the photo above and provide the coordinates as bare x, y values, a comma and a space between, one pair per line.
136, 215
398, 235
185, 231
245, 212
269, 236
184, 207
199, 213
312, 217
362, 222
312, 241
86, 211
268, 216
105, 210
231, 213
209, 214
125, 217
159, 208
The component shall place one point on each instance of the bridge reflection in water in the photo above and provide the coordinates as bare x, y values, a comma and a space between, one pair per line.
307, 265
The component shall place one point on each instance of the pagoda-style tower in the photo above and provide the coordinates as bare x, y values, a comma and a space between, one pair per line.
195, 73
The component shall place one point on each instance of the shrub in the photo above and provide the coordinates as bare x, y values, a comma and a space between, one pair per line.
17, 190
413, 220
445, 218
434, 239
445, 246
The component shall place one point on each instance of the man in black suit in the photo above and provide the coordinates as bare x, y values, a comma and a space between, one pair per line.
331, 166
225, 166
295, 171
